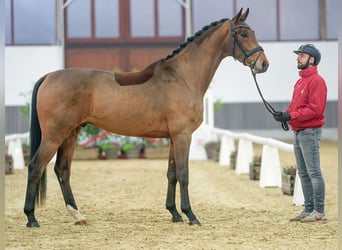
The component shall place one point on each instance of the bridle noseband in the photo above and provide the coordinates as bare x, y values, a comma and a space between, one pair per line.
246, 54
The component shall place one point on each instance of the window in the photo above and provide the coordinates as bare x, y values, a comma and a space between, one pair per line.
79, 19
264, 23
129, 20
156, 19
275, 20
142, 18
299, 20
170, 18
8, 22
26, 23
88, 21
205, 12
107, 19
331, 19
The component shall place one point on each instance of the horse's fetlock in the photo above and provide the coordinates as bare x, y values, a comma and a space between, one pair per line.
28, 211
186, 210
170, 207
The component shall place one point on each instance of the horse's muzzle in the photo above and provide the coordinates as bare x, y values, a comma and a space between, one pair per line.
261, 65
264, 66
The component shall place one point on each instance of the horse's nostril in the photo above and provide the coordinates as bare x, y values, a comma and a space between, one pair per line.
264, 65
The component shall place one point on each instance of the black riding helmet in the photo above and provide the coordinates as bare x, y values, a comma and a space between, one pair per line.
311, 50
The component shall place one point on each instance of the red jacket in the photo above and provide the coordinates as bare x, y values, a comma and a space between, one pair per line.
308, 100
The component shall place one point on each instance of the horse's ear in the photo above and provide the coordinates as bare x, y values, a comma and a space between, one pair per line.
244, 15
237, 17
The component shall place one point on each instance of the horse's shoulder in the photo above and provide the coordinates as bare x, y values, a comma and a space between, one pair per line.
130, 78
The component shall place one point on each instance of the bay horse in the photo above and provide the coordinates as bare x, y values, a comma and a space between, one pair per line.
165, 100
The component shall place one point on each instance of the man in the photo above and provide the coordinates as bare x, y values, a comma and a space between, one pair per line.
305, 114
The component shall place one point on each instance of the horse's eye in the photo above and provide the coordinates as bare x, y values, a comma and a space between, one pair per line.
244, 34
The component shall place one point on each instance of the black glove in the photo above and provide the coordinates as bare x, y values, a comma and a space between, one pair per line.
280, 116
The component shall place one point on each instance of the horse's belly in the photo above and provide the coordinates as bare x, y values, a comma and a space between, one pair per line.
134, 126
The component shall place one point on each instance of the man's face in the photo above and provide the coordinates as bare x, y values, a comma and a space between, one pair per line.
302, 60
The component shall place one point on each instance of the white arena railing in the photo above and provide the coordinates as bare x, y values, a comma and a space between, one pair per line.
15, 149
270, 170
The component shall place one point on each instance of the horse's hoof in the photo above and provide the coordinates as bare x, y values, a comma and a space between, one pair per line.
177, 219
195, 222
33, 224
81, 222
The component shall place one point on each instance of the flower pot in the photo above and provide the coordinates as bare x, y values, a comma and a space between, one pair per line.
288, 182
211, 148
156, 152
233, 160
26, 153
86, 153
112, 153
9, 164
254, 170
132, 153
210, 152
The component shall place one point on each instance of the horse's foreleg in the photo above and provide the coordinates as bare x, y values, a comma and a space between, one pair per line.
181, 150
62, 170
171, 188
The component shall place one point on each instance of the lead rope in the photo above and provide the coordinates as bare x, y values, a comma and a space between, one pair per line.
268, 106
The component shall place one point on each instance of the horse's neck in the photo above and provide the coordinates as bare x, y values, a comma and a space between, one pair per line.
201, 61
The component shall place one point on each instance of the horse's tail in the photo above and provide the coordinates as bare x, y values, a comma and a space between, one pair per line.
35, 138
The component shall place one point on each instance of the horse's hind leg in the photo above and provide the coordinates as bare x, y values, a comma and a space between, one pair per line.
62, 170
37, 167
171, 188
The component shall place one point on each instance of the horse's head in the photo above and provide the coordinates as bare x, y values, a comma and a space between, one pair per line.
245, 46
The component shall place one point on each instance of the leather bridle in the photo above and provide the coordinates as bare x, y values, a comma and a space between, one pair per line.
246, 54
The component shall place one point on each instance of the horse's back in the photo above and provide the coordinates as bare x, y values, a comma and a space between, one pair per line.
74, 76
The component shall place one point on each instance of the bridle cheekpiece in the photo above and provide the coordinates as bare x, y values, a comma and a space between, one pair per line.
246, 54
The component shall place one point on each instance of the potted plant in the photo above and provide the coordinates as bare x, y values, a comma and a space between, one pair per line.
110, 150
131, 149
8, 164
254, 168
91, 150
26, 153
288, 180
212, 148
86, 153
156, 148
233, 159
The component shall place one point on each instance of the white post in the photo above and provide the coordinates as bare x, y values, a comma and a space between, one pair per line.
16, 151
188, 16
298, 197
270, 171
188, 19
210, 109
226, 148
244, 156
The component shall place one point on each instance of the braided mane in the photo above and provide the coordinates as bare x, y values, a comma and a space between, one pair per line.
192, 38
